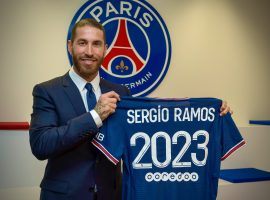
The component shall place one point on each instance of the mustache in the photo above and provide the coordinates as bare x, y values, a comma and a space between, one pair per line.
88, 57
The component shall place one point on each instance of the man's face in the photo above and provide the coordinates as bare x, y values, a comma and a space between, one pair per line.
88, 50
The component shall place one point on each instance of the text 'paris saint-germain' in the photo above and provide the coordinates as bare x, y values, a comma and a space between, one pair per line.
161, 114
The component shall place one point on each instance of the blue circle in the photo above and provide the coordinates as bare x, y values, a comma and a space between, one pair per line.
149, 37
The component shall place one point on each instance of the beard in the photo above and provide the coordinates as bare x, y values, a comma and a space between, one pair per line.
87, 66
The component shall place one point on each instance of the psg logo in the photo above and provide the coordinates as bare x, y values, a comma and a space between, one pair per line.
139, 46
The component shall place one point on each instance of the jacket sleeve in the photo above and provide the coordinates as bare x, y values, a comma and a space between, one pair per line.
47, 137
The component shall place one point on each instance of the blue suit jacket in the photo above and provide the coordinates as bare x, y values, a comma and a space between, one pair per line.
61, 131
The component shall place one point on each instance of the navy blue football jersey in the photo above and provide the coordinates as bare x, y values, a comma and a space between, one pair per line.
171, 148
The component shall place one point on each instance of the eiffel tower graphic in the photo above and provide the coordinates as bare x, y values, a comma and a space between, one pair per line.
123, 47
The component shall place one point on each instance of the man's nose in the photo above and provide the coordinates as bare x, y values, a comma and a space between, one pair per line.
89, 50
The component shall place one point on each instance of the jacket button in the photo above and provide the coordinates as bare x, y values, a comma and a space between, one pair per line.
92, 188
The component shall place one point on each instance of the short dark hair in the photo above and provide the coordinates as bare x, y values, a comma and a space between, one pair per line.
87, 22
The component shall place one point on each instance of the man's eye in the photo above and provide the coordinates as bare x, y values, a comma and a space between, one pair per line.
81, 43
97, 43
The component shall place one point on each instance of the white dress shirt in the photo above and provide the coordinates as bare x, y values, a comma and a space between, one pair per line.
80, 83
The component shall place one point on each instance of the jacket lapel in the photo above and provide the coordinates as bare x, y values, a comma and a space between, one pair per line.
73, 94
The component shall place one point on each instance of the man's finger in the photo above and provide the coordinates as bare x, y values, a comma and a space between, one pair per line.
112, 94
223, 106
225, 111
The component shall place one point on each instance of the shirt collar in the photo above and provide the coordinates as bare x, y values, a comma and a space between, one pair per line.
80, 82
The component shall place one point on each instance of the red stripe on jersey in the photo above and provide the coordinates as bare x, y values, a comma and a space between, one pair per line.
233, 149
105, 152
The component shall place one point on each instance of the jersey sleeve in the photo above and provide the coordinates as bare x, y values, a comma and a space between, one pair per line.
110, 138
231, 137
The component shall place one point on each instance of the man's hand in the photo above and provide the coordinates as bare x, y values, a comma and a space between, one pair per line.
224, 109
106, 104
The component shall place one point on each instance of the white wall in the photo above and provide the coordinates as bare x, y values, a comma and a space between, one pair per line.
33, 49
219, 48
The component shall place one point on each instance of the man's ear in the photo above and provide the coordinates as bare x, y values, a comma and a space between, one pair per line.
70, 47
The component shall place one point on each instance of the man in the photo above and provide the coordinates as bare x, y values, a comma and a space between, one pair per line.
63, 124
64, 121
